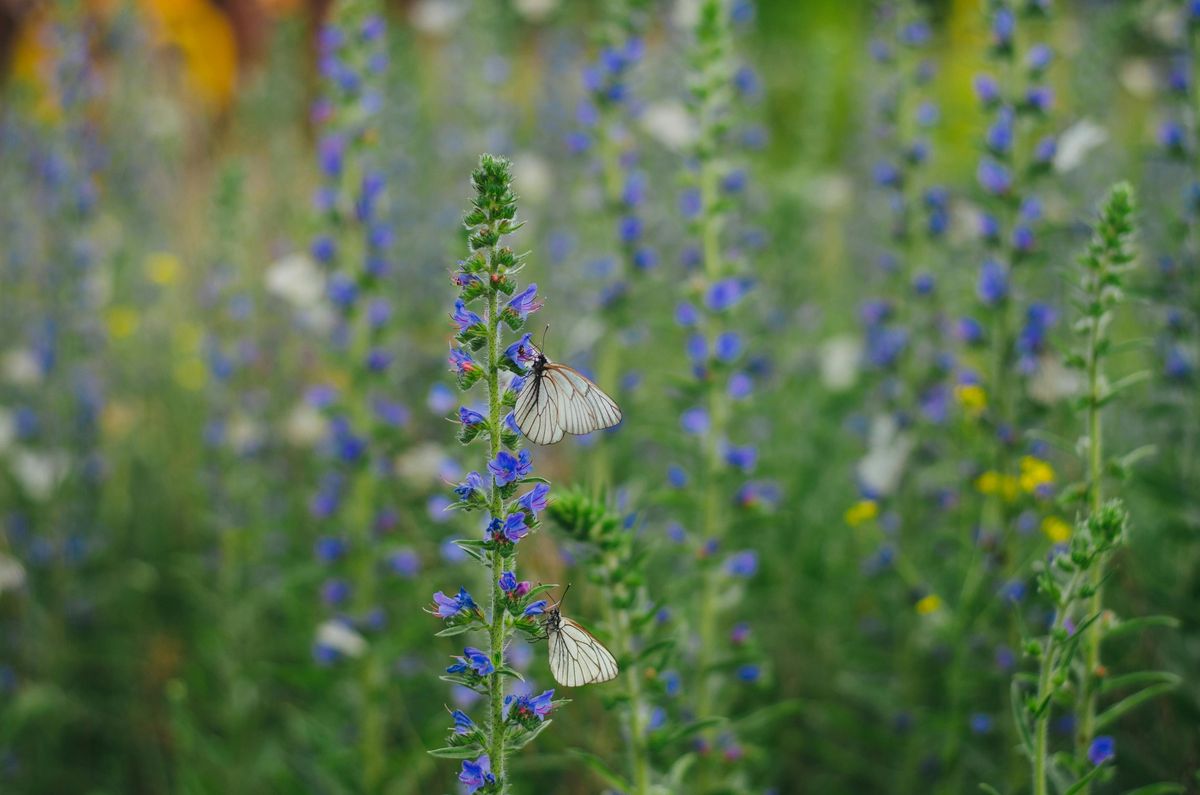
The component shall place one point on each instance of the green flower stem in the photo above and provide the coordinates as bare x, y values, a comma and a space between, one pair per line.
497, 613
621, 629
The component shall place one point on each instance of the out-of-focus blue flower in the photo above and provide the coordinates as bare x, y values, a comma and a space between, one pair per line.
695, 420
507, 468
405, 563
330, 548
743, 458
994, 177
750, 672
987, 89
725, 294
981, 723
1039, 57
992, 287
335, 591
728, 346
740, 386
1103, 749
686, 315
742, 564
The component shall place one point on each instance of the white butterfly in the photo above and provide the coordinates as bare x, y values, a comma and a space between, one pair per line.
558, 399
576, 657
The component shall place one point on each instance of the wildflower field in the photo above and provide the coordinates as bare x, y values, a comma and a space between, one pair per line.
638, 396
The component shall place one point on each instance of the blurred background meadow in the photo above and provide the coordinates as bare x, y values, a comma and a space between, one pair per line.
906, 497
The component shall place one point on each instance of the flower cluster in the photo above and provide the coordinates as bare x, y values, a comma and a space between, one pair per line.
509, 495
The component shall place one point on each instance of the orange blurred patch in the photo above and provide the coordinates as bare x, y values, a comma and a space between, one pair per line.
204, 39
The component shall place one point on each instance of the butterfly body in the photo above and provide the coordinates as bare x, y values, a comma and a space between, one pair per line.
576, 656
557, 400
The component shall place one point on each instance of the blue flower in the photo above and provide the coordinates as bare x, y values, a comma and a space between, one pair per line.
992, 287
535, 608
461, 361
629, 229
993, 177
468, 417
477, 774
749, 672
472, 485
1039, 98
405, 563
987, 89
740, 386
742, 564
534, 501
521, 708
335, 591
462, 722
728, 346
695, 420
525, 302
514, 527
742, 458
725, 294
1039, 57
507, 468
520, 352
981, 723
473, 659
450, 606
330, 548
1102, 749
686, 315
464, 318
324, 249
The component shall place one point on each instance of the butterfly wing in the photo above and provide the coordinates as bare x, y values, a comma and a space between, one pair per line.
537, 410
584, 407
577, 658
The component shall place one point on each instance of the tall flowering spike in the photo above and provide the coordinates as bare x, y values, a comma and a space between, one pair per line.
1006, 365
358, 495
607, 119
489, 307
722, 371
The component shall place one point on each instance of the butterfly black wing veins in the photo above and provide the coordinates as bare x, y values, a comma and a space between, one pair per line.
576, 656
557, 400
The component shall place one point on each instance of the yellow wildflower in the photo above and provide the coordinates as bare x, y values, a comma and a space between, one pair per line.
122, 321
861, 511
1034, 473
163, 268
972, 398
992, 482
190, 373
929, 604
1056, 529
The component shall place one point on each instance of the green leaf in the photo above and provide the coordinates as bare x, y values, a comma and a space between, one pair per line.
1132, 702
989, 789
1143, 622
598, 766
450, 632
473, 751
1138, 679
1019, 720
685, 731
528, 736
1162, 788
1083, 782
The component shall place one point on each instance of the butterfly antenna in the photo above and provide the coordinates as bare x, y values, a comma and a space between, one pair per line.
564, 595
542, 344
